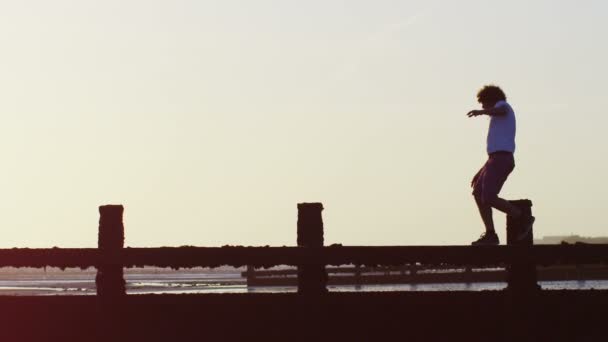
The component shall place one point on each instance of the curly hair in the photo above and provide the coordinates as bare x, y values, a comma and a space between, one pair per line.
491, 94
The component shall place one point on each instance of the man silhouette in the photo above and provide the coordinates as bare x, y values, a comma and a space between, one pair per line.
490, 178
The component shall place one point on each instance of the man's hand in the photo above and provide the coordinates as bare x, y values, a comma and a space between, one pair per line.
494, 111
475, 112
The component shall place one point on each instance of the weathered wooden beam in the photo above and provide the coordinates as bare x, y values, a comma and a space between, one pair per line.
50, 257
188, 257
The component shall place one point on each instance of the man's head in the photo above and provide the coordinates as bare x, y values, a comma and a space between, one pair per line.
489, 95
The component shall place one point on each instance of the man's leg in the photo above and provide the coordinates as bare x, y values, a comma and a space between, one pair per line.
505, 206
485, 210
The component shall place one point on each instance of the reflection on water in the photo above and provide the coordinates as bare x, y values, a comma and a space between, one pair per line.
234, 283
421, 287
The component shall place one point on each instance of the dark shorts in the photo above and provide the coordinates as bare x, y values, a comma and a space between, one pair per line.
490, 178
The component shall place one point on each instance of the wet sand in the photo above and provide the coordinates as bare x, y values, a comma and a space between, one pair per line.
429, 316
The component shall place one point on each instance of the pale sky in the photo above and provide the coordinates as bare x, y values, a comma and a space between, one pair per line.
210, 120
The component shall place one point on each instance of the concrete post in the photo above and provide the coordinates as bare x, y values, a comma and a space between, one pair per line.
312, 279
521, 276
109, 280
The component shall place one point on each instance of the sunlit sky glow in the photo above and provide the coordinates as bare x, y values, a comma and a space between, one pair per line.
210, 120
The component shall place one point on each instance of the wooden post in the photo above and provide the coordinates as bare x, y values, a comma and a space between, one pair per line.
312, 279
468, 274
109, 280
358, 274
250, 275
521, 275
413, 272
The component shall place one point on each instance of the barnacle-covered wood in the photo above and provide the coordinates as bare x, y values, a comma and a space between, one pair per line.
312, 279
50, 257
333, 255
521, 275
110, 280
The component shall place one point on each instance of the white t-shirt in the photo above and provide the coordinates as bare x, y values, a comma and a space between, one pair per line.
501, 134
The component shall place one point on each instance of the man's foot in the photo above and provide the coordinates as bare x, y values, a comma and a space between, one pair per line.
526, 225
486, 239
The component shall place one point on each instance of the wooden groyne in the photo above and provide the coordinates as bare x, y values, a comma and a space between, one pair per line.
310, 257
518, 313
417, 274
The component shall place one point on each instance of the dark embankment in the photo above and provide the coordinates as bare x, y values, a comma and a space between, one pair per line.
430, 316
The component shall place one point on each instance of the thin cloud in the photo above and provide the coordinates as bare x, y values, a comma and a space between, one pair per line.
382, 37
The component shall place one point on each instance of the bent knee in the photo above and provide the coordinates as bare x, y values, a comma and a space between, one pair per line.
485, 199
489, 199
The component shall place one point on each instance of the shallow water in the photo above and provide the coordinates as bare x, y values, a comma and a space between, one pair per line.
234, 283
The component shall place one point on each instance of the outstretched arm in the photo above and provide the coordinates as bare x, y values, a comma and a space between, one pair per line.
494, 111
